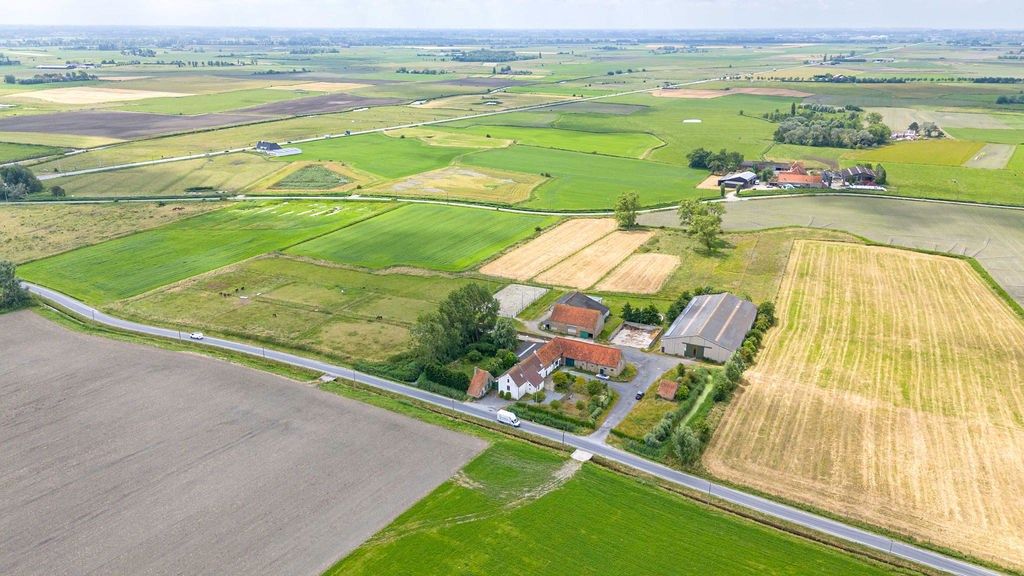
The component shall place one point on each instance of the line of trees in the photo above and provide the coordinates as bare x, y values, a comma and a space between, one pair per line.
17, 182
809, 127
467, 316
1018, 99
721, 161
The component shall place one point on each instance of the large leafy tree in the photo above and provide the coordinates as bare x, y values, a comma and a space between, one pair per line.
626, 208
702, 220
12, 295
466, 316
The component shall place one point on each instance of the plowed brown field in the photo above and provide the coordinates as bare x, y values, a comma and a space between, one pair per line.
892, 393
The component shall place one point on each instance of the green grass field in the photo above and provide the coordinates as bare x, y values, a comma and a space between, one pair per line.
135, 264
956, 183
628, 144
312, 177
210, 103
13, 152
508, 513
337, 312
381, 155
425, 236
940, 152
591, 181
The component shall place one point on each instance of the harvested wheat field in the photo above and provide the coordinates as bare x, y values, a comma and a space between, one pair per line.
586, 267
95, 95
891, 392
641, 274
321, 86
549, 248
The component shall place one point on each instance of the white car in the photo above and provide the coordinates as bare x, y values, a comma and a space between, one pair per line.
602, 376
196, 336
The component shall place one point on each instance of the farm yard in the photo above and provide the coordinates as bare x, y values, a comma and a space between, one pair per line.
865, 400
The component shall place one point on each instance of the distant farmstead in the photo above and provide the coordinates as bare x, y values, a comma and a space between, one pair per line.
711, 327
858, 175
275, 149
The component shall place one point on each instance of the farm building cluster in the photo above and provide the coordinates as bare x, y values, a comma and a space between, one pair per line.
795, 175
531, 373
275, 149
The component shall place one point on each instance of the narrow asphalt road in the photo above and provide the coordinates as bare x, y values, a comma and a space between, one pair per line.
755, 503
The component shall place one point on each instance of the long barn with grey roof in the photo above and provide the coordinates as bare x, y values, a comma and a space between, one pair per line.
711, 327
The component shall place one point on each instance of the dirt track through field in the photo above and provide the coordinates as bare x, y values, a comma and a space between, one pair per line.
641, 274
549, 248
586, 267
891, 392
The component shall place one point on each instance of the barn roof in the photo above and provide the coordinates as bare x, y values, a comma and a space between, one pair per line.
585, 318
585, 352
527, 371
722, 319
746, 176
858, 171
581, 300
799, 179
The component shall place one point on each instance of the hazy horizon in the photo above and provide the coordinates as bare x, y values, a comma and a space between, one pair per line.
525, 14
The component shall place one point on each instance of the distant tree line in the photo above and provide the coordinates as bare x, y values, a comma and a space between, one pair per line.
485, 55
50, 78
6, 61
427, 71
808, 127
1018, 99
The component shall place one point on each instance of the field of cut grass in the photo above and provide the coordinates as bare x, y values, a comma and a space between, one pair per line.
31, 231
518, 509
210, 103
627, 144
889, 393
957, 183
134, 264
12, 152
996, 136
589, 181
424, 236
329, 310
940, 152
463, 183
382, 155
219, 174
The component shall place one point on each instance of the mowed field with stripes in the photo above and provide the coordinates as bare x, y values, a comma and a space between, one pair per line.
891, 392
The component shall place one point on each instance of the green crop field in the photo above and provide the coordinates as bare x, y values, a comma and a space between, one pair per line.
209, 103
592, 181
941, 152
312, 177
135, 264
381, 155
228, 173
517, 509
629, 144
956, 183
12, 152
333, 311
426, 236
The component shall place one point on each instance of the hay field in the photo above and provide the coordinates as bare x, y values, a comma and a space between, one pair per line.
586, 267
992, 157
550, 248
937, 152
891, 393
641, 274
96, 95
460, 182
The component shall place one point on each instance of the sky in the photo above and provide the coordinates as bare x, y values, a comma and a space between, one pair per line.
523, 14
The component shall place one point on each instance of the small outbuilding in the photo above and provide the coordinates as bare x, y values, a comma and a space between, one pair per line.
581, 300
264, 146
711, 327
667, 389
480, 384
858, 175
738, 180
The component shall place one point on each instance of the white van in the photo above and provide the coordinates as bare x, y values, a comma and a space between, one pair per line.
506, 417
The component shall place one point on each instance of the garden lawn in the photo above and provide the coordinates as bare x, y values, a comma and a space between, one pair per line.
381, 155
427, 236
591, 181
138, 263
507, 513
